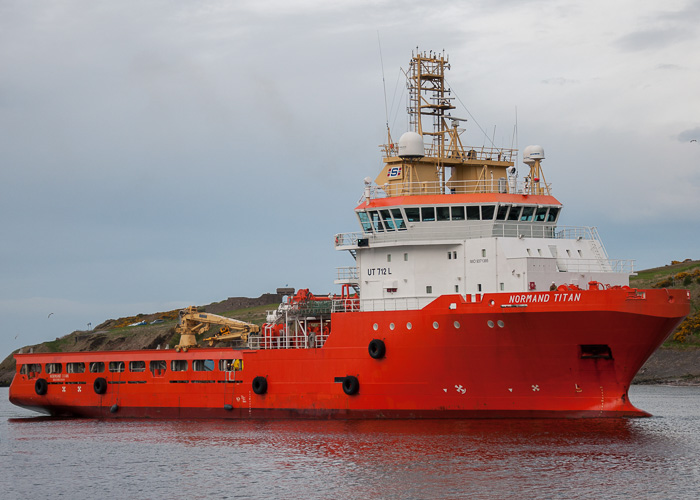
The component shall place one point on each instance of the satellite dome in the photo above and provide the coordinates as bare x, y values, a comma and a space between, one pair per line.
411, 145
532, 153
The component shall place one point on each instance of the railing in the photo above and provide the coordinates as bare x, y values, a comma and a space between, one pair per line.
466, 230
354, 304
295, 341
450, 151
348, 274
501, 185
596, 265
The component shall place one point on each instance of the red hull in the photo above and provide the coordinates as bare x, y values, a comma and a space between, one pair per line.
548, 354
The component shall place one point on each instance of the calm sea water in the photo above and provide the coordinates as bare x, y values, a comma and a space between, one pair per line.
655, 458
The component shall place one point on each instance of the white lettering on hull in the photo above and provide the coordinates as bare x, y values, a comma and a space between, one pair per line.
533, 298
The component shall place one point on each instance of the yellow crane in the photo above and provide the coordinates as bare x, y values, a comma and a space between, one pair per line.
193, 322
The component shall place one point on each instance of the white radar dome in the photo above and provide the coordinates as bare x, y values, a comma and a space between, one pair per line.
411, 145
532, 153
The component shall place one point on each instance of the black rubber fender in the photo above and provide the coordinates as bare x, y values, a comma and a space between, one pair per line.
100, 385
259, 385
41, 386
351, 385
377, 348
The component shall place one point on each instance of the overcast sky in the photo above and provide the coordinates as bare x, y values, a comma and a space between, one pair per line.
157, 154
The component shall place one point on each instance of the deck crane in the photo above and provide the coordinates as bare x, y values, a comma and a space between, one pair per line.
193, 322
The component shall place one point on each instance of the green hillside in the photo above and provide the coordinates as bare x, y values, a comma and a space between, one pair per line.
684, 275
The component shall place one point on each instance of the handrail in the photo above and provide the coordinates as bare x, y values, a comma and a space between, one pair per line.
500, 185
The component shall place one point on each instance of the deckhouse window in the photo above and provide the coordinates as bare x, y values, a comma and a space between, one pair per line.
457, 213
31, 368
97, 367
178, 365
203, 365
487, 212
364, 222
388, 221
116, 366
54, 368
473, 212
443, 213
230, 365
413, 214
527, 214
157, 367
502, 212
75, 367
398, 219
427, 214
137, 366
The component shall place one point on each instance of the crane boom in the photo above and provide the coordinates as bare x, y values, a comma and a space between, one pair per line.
193, 322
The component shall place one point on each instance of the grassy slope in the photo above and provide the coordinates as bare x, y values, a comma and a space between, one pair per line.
684, 275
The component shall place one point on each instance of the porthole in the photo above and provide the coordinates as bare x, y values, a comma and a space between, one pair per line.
409, 325
490, 323
492, 302
392, 326
376, 327
456, 324
435, 325
501, 324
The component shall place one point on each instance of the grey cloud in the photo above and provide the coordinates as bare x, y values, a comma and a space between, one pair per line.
689, 135
559, 80
653, 39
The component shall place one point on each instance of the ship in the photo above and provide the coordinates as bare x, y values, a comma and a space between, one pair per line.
465, 299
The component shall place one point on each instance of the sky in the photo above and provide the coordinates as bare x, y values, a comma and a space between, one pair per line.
159, 154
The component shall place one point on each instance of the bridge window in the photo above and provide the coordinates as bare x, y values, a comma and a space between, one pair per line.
364, 222
158, 367
203, 365
487, 212
116, 366
527, 214
376, 221
443, 213
54, 368
514, 213
137, 366
97, 367
552, 216
178, 365
427, 214
398, 218
413, 214
388, 221
457, 213
75, 367
541, 214
502, 212
473, 212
